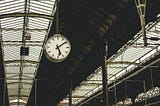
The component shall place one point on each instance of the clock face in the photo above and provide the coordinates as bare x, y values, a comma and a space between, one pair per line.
57, 48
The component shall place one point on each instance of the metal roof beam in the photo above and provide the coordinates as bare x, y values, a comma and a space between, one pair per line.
18, 61
94, 80
28, 14
40, 45
18, 83
84, 89
20, 29
91, 84
77, 96
137, 46
16, 95
115, 67
22, 41
18, 65
30, 79
122, 62
18, 73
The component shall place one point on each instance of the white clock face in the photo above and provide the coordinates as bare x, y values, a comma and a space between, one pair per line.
58, 47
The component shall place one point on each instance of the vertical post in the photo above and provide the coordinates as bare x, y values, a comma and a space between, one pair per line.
151, 77
95, 104
115, 93
35, 96
144, 87
125, 84
104, 75
4, 93
144, 34
57, 17
70, 94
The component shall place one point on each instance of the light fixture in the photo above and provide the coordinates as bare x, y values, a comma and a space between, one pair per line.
28, 36
155, 91
126, 102
24, 51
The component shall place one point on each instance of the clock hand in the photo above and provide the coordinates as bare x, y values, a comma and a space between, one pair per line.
57, 47
62, 44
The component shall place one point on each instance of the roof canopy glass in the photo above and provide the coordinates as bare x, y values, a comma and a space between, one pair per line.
132, 55
23, 24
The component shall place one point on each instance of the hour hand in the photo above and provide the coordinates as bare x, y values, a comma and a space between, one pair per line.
59, 52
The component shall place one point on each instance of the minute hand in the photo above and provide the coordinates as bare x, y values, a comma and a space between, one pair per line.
62, 44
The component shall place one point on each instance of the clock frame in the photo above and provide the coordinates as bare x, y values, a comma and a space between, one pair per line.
57, 48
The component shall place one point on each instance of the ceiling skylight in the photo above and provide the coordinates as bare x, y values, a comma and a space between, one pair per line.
19, 18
